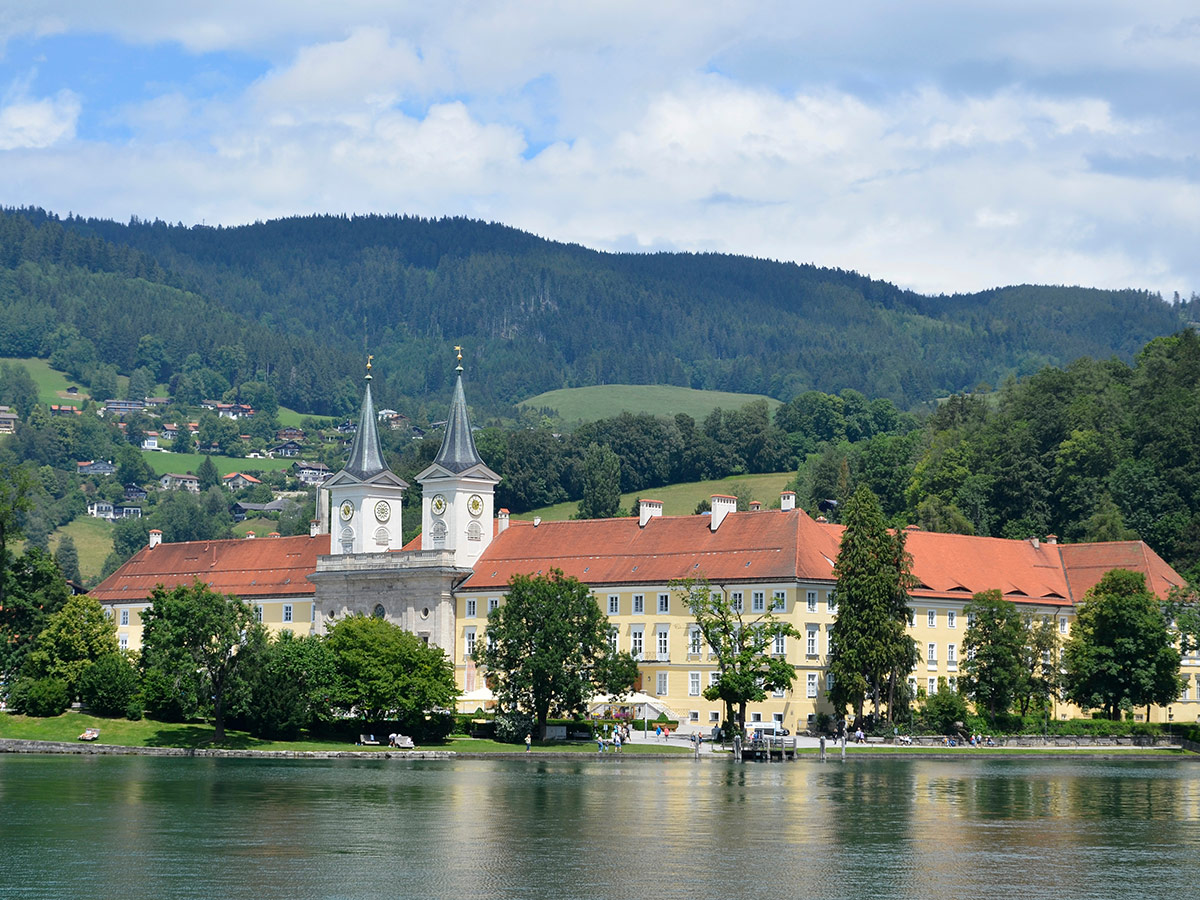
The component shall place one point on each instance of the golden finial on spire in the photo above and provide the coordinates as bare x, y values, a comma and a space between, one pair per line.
369, 358
458, 350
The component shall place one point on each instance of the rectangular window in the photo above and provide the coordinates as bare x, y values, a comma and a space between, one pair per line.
812, 601
639, 604
778, 692
1062, 625
123, 642
614, 604
694, 641
951, 655
312, 613
493, 604
780, 602
950, 619
738, 604
912, 688
712, 677
664, 603
812, 685
780, 643
932, 655
287, 612
124, 618
614, 640
829, 681
759, 602
258, 614
714, 716
932, 618
811, 646
471, 606
469, 637
662, 684
931, 687
663, 636
952, 683
755, 717
694, 715
635, 642
491, 641
693, 684
831, 602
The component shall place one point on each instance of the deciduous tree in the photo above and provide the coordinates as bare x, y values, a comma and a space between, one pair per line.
994, 646
547, 648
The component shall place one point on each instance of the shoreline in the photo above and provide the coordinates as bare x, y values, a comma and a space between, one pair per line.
67, 748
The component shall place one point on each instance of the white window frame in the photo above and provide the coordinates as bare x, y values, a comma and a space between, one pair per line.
812, 601
952, 656
258, 613
714, 716
614, 604
664, 604
614, 640
1062, 624
124, 618
931, 618
739, 603
779, 604
931, 687
287, 612
493, 604
831, 602
662, 684
637, 641
931, 653
713, 675
951, 619
811, 688
123, 641
472, 607
662, 643
695, 641
780, 643
811, 646
639, 604
693, 684
468, 642
758, 602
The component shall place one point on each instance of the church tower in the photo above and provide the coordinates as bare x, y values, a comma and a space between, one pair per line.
458, 489
364, 497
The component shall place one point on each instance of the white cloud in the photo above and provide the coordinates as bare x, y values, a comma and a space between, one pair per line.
32, 124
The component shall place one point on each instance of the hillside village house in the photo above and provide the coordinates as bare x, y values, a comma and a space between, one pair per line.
8, 420
443, 585
175, 482
235, 481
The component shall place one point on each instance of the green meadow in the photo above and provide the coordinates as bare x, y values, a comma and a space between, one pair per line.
587, 404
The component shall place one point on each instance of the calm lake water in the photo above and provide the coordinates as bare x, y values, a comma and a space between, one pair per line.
132, 827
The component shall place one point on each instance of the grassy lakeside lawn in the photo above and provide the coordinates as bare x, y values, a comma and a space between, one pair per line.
587, 404
681, 499
192, 735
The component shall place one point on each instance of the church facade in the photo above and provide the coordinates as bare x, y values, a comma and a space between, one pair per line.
443, 584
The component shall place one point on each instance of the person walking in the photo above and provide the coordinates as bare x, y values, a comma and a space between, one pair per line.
528, 742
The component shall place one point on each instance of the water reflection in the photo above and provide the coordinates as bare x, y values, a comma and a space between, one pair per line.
588, 828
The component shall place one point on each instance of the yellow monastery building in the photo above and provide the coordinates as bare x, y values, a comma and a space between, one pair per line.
443, 585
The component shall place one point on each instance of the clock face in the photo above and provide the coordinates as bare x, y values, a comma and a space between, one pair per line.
347, 510
475, 505
383, 511
439, 505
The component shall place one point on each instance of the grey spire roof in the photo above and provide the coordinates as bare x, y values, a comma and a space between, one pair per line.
366, 453
458, 453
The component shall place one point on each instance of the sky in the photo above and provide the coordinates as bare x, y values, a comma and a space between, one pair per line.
940, 145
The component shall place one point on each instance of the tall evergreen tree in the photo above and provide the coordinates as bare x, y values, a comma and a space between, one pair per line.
67, 557
870, 643
208, 475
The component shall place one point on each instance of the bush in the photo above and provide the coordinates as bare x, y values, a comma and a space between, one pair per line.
109, 686
41, 697
511, 727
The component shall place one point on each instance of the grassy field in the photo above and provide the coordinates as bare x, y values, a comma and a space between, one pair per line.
291, 417
148, 733
52, 384
93, 540
181, 463
681, 499
587, 404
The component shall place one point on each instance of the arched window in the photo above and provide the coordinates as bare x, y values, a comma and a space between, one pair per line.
378, 612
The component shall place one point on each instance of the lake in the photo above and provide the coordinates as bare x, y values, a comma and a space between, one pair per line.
144, 827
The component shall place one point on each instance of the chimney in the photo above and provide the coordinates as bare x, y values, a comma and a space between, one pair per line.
1036, 543
755, 505
501, 521
822, 520
250, 535
537, 520
647, 510
273, 534
1052, 539
314, 528
722, 505
787, 500
155, 538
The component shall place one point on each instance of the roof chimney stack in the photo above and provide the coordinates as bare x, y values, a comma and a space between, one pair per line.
250, 535
1052, 539
755, 505
647, 510
501, 520
155, 538
314, 528
722, 505
787, 500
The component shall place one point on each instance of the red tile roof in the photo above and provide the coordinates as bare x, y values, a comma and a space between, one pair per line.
248, 568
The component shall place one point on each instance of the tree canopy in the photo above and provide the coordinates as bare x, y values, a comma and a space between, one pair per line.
548, 648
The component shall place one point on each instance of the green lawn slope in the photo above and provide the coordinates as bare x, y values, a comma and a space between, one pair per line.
587, 404
681, 499
51, 384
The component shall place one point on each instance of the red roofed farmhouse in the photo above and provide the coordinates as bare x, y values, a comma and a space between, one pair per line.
444, 583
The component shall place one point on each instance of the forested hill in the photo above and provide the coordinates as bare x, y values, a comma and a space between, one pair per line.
296, 302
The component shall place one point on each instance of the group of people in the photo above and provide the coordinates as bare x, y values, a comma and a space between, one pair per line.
620, 736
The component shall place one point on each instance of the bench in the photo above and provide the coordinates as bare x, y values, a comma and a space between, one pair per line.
368, 739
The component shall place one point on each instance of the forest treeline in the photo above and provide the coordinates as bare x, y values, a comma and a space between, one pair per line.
297, 303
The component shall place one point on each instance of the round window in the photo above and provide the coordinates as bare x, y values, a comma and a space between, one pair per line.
379, 611
425, 613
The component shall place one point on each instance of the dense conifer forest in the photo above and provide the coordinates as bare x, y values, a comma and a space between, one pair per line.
297, 303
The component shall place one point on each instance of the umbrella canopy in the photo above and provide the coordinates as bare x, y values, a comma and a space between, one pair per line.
476, 698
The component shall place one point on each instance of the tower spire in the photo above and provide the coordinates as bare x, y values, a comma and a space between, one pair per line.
366, 451
458, 453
